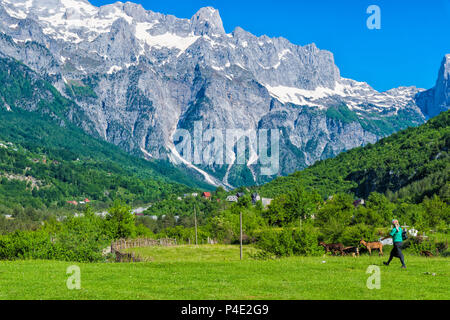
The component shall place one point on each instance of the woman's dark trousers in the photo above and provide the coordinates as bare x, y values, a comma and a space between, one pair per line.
397, 252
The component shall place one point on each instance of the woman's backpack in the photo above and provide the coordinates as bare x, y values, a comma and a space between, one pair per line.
404, 235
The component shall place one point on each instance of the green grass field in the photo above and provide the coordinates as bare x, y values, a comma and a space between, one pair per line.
215, 272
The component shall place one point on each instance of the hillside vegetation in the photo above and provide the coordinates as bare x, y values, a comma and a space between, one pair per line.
68, 163
408, 165
47, 160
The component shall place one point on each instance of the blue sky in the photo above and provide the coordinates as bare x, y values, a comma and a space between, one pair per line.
408, 49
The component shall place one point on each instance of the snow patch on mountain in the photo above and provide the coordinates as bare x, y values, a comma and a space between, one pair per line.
152, 72
357, 95
176, 158
167, 40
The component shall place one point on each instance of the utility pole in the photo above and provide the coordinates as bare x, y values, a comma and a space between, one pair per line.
195, 219
240, 218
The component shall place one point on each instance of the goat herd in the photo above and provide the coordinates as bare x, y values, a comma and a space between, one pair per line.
339, 248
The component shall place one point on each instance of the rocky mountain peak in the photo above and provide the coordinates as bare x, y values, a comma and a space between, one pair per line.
442, 89
137, 11
444, 73
207, 21
142, 75
436, 100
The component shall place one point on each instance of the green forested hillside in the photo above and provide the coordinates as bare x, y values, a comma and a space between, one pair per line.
410, 165
63, 164
36, 126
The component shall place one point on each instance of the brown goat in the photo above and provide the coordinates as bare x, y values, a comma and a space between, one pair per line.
426, 253
353, 250
333, 248
372, 246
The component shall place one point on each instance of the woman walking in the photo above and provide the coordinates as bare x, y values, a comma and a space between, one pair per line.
397, 237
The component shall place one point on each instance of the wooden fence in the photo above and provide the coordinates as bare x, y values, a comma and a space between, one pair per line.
141, 243
123, 244
190, 241
127, 257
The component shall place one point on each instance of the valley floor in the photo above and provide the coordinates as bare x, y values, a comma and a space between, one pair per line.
215, 272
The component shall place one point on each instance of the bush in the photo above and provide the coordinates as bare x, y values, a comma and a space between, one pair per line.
182, 234
26, 245
339, 211
417, 247
352, 235
144, 232
307, 242
225, 227
434, 246
277, 242
289, 242
81, 239
295, 204
120, 222
222, 229
77, 239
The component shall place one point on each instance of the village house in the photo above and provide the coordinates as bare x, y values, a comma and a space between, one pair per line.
187, 195
359, 202
139, 211
206, 195
101, 214
255, 198
232, 199
266, 202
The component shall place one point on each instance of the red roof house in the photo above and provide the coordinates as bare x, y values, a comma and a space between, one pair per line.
206, 195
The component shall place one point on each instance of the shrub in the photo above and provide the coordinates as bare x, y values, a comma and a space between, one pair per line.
296, 204
26, 245
222, 229
353, 234
144, 232
77, 239
81, 239
277, 242
289, 242
120, 222
307, 242
417, 247
339, 211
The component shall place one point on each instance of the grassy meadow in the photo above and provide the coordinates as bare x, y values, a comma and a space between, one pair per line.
215, 272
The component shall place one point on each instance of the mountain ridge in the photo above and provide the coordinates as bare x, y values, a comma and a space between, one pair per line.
437, 99
407, 165
37, 118
146, 74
